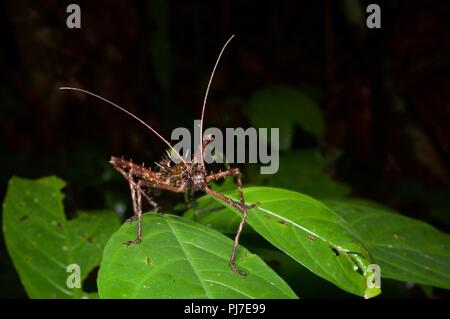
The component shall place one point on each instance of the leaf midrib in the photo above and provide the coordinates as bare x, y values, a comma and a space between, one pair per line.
176, 235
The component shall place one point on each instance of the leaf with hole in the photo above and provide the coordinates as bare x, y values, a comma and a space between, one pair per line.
406, 249
311, 233
42, 242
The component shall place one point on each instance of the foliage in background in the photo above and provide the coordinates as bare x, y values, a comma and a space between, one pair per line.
305, 171
285, 107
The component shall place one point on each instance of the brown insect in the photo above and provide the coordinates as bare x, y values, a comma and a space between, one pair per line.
179, 177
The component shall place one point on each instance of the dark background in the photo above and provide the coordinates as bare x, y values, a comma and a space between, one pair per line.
385, 93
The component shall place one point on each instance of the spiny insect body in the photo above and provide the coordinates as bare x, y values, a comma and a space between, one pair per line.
176, 176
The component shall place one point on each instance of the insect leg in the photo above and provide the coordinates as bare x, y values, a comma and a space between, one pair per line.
129, 177
150, 200
133, 198
136, 197
243, 209
231, 172
242, 206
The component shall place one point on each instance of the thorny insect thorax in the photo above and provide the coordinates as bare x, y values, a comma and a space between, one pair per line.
165, 175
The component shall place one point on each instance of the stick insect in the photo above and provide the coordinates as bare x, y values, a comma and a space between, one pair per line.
178, 177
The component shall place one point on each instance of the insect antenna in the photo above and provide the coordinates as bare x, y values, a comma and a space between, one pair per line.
204, 102
130, 114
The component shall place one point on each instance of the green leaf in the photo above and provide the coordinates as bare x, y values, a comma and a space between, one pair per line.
298, 278
42, 242
406, 249
178, 258
284, 107
310, 233
304, 171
